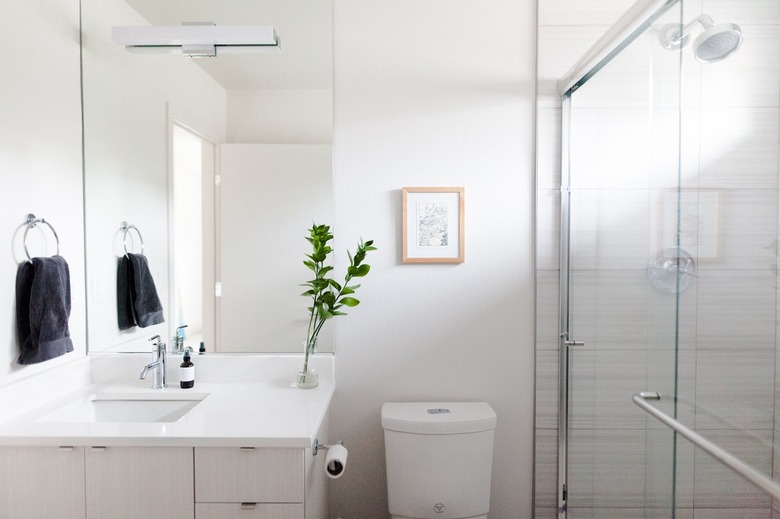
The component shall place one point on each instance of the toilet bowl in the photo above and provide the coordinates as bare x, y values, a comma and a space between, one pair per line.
439, 459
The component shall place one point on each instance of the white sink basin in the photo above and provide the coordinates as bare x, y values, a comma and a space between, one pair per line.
126, 407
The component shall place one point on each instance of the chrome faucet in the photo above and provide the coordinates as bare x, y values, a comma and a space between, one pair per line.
178, 341
158, 364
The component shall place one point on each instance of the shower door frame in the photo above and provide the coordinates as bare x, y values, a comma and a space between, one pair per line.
628, 28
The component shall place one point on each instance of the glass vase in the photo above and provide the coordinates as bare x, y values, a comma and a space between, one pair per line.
308, 378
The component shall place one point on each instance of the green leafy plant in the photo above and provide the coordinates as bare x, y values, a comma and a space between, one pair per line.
328, 296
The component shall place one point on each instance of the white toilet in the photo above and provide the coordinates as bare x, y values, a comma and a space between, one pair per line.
439, 458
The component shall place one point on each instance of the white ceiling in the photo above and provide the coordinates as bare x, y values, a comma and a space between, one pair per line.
305, 28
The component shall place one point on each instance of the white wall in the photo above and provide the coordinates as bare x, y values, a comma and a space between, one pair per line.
280, 116
436, 93
40, 158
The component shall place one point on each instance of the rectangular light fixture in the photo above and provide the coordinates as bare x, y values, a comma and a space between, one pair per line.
198, 39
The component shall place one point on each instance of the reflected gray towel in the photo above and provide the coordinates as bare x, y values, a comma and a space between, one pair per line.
43, 309
137, 300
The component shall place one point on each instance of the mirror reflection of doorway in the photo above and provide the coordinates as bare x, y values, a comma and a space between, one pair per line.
192, 237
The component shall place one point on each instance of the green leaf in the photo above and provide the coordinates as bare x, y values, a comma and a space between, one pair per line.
349, 301
359, 272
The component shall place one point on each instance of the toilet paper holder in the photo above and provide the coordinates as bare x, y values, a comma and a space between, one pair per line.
317, 446
335, 461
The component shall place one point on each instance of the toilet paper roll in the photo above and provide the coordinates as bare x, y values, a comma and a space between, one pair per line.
336, 461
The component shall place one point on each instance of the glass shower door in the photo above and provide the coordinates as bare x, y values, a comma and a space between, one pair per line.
623, 281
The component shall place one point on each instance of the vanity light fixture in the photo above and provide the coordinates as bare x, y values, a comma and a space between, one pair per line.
198, 39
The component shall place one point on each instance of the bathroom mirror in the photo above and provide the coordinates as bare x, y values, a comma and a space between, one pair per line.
216, 166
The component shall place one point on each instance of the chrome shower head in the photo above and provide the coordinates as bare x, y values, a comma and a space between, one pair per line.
717, 42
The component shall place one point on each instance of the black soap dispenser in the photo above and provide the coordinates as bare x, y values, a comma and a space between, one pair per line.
187, 371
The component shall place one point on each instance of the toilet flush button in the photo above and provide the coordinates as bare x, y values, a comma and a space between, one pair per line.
438, 508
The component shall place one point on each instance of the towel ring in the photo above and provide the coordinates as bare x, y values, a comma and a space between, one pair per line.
31, 221
126, 228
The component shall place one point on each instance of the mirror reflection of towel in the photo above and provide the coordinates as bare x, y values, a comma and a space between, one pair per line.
43, 309
137, 300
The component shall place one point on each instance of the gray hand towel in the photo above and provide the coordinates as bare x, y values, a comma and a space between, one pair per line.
43, 309
137, 300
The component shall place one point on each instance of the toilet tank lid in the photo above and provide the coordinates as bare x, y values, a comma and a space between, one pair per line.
438, 417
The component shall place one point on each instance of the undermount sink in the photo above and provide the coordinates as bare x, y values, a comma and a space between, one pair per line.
126, 407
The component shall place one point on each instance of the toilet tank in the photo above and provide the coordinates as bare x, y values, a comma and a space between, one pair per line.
439, 458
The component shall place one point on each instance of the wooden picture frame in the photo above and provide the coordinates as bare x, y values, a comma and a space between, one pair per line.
432, 228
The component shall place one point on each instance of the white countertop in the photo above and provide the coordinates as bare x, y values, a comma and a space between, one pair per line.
272, 414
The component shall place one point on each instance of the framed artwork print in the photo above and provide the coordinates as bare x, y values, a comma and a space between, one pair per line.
432, 228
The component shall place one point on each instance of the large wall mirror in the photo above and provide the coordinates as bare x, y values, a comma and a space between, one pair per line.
213, 169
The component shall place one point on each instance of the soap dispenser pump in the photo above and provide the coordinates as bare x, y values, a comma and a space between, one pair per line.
187, 371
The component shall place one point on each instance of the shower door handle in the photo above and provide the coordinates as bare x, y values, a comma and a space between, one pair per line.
573, 343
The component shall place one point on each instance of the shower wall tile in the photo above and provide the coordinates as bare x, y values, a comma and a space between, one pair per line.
741, 230
546, 513
610, 148
547, 297
750, 76
684, 472
581, 468
718, 487
618, 376
776, 460
735, 389
548, 148
742, 12
671, 318
558, 48
546, 476
609, 308
576, 12
659, 466
775, 504
739, 147
546, 390
548, 210
736, 310
664, 141
667, 371
610, 230
732, 513
625, 513
582, 390
618, 468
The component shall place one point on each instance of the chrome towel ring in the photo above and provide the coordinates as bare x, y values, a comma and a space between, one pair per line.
31, 221
126, 228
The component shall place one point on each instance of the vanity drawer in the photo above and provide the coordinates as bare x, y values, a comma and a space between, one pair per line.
248, 475
249, 511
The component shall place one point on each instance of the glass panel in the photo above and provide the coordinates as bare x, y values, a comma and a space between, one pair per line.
624, 192
730, 136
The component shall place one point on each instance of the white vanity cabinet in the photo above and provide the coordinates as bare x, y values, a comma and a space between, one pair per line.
249, 483
42, 482
96, 482
132, 482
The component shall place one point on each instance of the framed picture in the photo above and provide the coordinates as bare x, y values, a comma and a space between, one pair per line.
432, 225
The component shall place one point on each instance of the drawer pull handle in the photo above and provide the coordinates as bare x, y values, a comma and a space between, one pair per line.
248, 506
246, 449
65, 448
98, 448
